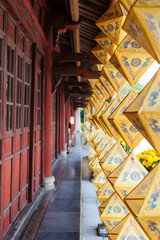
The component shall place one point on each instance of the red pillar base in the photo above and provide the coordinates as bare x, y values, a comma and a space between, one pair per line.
49, 183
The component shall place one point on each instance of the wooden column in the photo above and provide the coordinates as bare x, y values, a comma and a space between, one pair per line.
62, 118
48, 110
74, 115
69, 114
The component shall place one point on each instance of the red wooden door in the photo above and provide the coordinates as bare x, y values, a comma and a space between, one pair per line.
20, 129
15, 86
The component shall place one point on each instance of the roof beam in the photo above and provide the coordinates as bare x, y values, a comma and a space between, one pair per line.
75, 71
78, 93
91, 7
73, 57
74, 10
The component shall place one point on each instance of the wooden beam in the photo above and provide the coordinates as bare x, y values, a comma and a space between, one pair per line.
75, 71
78, 93
73, 57
89, 15
92, 7
61, 21
80, 105
77, 84
100, 3
74, 9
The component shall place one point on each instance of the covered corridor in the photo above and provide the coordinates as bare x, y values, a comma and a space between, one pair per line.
69, 212
79, 104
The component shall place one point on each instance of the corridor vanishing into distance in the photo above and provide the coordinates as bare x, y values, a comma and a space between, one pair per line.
72, 209
62, 218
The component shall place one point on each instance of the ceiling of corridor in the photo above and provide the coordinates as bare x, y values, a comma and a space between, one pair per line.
81, 16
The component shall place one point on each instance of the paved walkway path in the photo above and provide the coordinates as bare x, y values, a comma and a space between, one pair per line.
62, 218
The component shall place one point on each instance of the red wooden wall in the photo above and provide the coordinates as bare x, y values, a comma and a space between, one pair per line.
22, 84
21, 80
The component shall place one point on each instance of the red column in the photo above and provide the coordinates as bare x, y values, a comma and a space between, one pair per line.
71, 116
62, 118
69, 113
75, 120
74, 115
48, 111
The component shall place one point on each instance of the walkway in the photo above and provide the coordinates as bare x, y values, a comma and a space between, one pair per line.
62, 218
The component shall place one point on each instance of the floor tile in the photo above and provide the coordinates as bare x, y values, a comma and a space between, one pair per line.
60, 222
57, 236
69, 193
65, 205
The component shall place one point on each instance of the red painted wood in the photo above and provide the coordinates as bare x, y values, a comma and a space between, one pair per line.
36, 125
57, 123
62, 118
4, 217
48, 112
75, 71
14, 139
74, 113
72, 57
69, 115
23, 12
21, 138
32, 125
54, 128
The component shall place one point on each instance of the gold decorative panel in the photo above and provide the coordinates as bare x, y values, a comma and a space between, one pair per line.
115, 78
133, 60
144, 112
142, 23
106, 115
114, 158
132, 173
104, 81
105, 43
101, 54
105, 192
111, 23
121, 123
114, 212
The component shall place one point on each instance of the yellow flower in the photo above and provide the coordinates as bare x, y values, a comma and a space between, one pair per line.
155, 159
145, 152
150, 162
147, 165
149, 157
144, 163
152, 153
143, 157
120, 140
153, 165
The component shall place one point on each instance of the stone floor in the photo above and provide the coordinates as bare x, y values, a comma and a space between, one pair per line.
62, 218
72, 212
